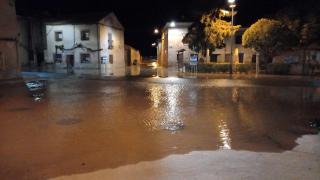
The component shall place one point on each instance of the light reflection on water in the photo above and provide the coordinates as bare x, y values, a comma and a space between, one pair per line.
169, 112
130, 122
224, 135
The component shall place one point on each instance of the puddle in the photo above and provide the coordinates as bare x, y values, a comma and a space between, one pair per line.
315, 123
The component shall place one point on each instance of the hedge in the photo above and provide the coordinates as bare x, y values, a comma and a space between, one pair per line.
222, 68
280, 69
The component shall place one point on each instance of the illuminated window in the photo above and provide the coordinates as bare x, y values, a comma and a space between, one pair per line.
58, 36
85, 35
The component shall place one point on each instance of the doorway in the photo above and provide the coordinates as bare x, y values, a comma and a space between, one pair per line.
70, 61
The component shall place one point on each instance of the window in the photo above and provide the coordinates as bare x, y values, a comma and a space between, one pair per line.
254, 59
58, 36
110, 41
85, 58
111, 59
238, 39
227, 58
85, 35
214, 58
241, 57
57, 58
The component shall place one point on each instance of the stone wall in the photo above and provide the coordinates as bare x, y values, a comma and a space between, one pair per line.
8, 36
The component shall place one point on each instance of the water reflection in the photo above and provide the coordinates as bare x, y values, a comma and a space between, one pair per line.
166, 116
128, 122
156, 95
224, 135
235, 95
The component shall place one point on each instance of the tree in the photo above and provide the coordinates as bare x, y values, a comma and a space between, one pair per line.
210, 32
268, 37
305, 26
196, 38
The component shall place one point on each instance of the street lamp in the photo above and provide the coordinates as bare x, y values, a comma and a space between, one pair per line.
156, 31
173, 24
232, 5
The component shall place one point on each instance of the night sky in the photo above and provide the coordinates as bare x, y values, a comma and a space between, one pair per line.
141, 17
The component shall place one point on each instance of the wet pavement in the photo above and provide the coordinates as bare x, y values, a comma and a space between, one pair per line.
57, 127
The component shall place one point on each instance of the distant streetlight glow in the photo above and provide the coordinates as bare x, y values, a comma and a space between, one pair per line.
173, 24
232, 3
156, 31
154, 44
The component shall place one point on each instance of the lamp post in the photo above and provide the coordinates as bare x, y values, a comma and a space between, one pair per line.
232, 5
156, 31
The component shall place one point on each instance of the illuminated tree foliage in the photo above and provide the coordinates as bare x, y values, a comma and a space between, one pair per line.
268, 37
210, 32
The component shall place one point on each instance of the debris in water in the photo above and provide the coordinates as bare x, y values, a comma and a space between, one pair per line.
37, 89
35, 85
315, 123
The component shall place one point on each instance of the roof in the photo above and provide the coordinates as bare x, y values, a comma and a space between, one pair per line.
178, 25
108, 19
111, 20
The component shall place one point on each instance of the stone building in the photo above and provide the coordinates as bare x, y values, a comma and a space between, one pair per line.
31, 41
9, 60
87, 41
132, 56
171, 48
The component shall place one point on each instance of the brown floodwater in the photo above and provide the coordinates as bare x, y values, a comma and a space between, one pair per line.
77, 125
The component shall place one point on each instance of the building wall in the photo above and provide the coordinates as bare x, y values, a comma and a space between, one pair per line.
72, 37
116, 68
163, 50
237, 49
175, 36
171, 43
31, 41
8, 37
131, 55
135, 55
24, 42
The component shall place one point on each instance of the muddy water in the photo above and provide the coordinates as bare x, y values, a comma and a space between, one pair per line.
82, 126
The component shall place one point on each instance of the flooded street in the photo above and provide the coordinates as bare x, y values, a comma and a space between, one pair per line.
72, 126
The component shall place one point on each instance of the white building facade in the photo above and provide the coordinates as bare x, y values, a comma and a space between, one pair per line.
171, 44
171, 48
87, 45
